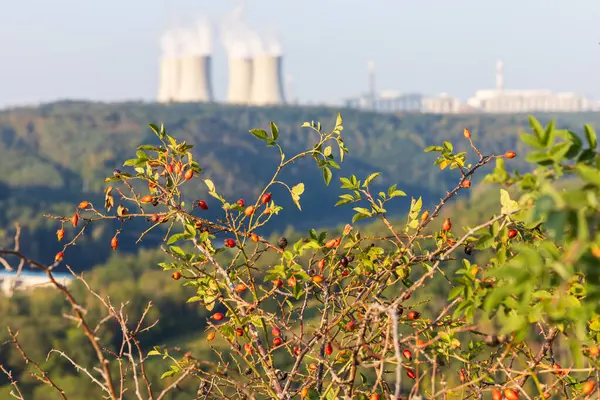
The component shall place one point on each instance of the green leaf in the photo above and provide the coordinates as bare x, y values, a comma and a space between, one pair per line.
543, 205
531, 140
575, 142
190, 229
508, 205
338, 120
559, 151
582, 225
342, 202
358, 217
415, 207
362, 210
210, 185
259, 133
548, 134
346, 184
177, 237
588, 174
496, 296
194, 299
327, 175
274, 131
150, 147
333, 164
590, 135
167, 374
296, 192
484, 242
455, 292
154, 128
515, 322
397, 193
586, 155
298, 189
537, 129
154, 353
539, 157
204, 236
141, 154
177, 250
370, 178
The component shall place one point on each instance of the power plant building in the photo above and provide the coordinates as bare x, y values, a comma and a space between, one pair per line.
522, 101
185, 67
492, 101
240, 80
500, 100
255, 66
442, 104
267, 80
384, 101
169, 79
194, 80
387, 101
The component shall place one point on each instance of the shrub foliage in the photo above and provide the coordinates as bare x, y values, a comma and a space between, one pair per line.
348, 315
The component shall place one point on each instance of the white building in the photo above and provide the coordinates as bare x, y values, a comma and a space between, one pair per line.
442, 104
523, 101
10, 282
387, 101
500, 100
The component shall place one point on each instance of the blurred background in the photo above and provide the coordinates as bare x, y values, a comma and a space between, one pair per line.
80, 81
110, 50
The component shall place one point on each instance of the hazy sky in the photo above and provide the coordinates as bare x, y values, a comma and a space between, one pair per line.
108, 49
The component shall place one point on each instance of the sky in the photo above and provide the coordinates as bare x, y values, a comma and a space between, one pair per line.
108, 50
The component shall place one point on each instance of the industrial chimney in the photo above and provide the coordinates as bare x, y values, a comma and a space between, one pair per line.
499, 75
267, 85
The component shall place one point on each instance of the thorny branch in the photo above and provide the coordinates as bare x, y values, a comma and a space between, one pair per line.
368, 330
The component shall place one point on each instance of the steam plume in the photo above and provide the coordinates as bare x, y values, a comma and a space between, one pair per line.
241, 41
189, 41
169, 44
197, 41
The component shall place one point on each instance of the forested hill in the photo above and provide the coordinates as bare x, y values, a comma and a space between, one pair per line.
56, 155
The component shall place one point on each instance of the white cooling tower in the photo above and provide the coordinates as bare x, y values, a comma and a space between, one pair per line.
195, 79
240, 80
168, 83
168, 79
267, 85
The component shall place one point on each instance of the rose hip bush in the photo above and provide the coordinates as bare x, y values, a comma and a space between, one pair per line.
342, 315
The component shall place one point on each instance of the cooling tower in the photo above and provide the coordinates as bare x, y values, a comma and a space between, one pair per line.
194, 79
240, 80
267, 87
168, 80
